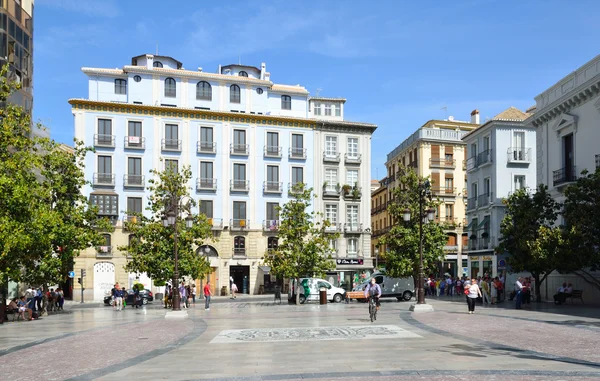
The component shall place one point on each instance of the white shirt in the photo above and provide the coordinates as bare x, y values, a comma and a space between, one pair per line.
518, 286
561, 289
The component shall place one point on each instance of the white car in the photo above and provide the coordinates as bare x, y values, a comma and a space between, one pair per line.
334, 294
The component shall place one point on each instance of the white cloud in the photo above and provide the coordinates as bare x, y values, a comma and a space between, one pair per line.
103, 8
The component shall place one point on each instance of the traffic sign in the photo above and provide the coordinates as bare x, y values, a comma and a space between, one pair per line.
71, 274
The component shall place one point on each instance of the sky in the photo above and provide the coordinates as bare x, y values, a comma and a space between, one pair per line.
398, 63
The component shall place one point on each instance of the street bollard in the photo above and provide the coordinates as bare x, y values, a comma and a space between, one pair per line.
322, 295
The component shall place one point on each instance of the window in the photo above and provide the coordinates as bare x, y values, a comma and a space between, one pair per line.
137, 78
239, 141
286, 102
206, 208
259, 91
105, 132
474, 190
272, 143
171, 136
134, 171
243, 74
157, 64
333, 245
203, 91
331, 177
317, 109
272, 177
239, 175
297, 175
449, 157
206, 135
486, 186
331, 146
234, 94
120, 86
172, 165
239, 245
105, 170
353, 246
331, 211
519, 182
106, 245
486, 143
449, 184
327, 110
353, 148
134, 129
352, 215
473, 150
272, 211
449, 211
338, 110
134, 205
108, 205
170, 88
297, 145
352, 177
206, 173
272, 243
239, 210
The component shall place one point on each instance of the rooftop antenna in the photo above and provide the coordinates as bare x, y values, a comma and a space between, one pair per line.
445, 108
319, 91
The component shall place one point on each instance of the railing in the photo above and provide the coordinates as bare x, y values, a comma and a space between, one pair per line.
239, 185
206, 147
104, 140
519, 155
239, 224
134, 181
353, 227
104, 179
443, 191
171, 145
239, 252
564, 175
297, 153
352, 254
471, 203
135, 142
484, 157
272, 187
484, 199
353, 159
272, 151
380, 232
206, 184
449, 222
333, 228
413, 164
239, 149
104, 251
471, 163
441, 162
271, 225
331, 191
352, 193
331, 157
295, 188
216, 223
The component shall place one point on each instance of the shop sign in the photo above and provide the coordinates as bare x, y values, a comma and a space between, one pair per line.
487, 258
349, 261
474, 258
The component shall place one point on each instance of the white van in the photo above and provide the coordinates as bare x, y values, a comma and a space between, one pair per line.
400, 288
334, 294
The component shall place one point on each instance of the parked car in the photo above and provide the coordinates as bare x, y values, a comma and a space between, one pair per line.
334, 294
145, 295
400, 288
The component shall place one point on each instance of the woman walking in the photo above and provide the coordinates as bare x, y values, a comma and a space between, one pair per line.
474, 293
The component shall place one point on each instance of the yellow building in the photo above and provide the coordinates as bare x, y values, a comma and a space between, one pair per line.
436, 151
380, 220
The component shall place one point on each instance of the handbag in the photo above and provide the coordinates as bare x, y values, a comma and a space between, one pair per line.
466, 291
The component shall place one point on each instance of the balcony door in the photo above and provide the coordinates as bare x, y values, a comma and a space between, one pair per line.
569, 160
134, 170
519, 145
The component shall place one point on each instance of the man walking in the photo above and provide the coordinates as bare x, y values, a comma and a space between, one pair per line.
207, 294
518, 291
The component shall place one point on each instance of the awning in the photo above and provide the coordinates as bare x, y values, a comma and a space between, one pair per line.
265, 269
486, 220
472, 224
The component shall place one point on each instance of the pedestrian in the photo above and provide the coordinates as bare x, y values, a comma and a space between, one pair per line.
166, 297
124, 295
113, 294
207, 294
234, 289
38, 299
485, 291
118, 299
518, 292
182, 296
193, 294
494, 285
474, 293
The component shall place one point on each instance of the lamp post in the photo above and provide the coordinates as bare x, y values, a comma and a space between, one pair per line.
424, 216
376, 257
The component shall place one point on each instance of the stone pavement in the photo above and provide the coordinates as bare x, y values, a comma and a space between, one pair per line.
252, 339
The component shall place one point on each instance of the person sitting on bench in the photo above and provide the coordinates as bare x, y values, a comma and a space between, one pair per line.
563, 293
23, 308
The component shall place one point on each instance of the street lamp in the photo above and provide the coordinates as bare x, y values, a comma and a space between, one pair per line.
170, 219
425, 216
376, 257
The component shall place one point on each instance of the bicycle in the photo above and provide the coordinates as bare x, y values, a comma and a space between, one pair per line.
373, 308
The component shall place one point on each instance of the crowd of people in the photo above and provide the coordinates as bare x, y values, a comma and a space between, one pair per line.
492, 289
187, 295
36, 302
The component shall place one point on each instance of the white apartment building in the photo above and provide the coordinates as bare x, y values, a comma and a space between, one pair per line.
501, 160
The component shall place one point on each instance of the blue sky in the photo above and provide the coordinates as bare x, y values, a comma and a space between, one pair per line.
397, 62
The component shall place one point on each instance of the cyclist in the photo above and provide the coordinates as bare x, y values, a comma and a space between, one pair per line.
373, 290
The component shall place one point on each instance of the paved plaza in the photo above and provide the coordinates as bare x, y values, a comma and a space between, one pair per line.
252, 339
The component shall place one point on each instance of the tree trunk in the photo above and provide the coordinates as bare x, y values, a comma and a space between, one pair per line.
297, 289
588, 278
538, 296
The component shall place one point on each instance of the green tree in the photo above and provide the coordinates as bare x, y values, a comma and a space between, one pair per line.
528, 234
582, 228
402, 240
152, 245
303, 248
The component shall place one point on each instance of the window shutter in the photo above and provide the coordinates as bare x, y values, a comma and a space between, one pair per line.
435, 179
435, 151
449, 149
451, 240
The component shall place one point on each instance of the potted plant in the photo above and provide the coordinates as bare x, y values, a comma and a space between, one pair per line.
325, 185
338, 187
346, 188
355, 191
242, 223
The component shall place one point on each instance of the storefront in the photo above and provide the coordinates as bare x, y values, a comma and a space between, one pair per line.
483, 265
349, 273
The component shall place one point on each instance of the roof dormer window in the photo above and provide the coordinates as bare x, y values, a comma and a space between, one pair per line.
170, 88
157, 64
286, 102
243, 74
120, 86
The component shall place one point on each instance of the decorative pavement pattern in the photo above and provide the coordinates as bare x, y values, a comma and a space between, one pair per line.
312, 334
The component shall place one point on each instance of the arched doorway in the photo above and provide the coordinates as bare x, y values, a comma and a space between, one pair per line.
209, 252
104, 279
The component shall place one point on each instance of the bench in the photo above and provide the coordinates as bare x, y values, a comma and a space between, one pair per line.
355, 295
576, 294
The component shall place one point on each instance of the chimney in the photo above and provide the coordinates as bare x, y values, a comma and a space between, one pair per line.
475, 117
263, 70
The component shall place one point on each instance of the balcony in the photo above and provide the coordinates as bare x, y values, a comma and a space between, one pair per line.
484, 200
352, 254
239, 186
206, 147
331, 157
272, 151
104, 179
239, 224
472, 203
449, 222
215, 223
564, 176
519, 155
484, 158
471, 163
465, 192
297, 153
134, 181
413, 164
450, 248
134, 142
107, 141
295, 188
443, 191
171, 145
331, 191
353, 228
333, 228
271, 225
441, 162
104, 251
351, 193
239, 149
206, 184
239, 253
352, 159
272, 187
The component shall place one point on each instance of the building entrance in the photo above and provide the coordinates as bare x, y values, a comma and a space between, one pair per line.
241, 278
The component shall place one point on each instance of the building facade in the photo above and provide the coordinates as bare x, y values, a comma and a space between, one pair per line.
247, 141
380, 221
501, 160
436, 150
566, 121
